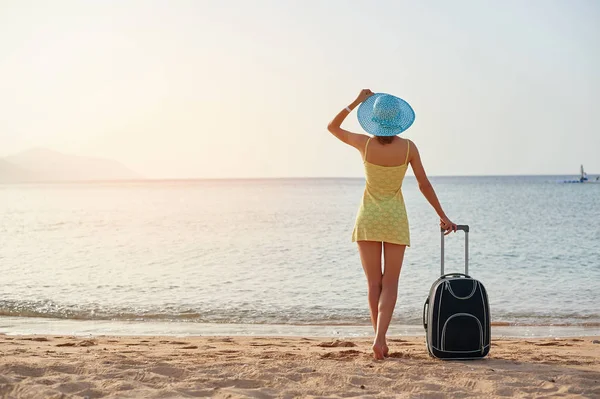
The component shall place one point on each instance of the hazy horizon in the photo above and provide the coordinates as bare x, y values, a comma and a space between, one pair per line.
196, 90
167, 178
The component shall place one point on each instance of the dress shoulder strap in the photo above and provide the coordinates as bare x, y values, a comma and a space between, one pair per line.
407, 151
366, 148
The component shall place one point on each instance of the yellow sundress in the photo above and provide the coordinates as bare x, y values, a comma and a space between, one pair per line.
382, 213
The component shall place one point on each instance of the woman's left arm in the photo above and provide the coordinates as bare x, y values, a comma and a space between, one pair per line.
355, 140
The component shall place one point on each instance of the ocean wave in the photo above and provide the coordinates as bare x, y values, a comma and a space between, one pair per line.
249, 315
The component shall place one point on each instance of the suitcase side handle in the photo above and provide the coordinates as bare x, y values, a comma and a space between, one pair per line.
455, 274
424, 313
465, 228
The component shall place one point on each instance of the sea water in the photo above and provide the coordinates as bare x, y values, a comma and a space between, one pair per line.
274, 255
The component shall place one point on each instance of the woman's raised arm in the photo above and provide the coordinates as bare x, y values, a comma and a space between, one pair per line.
356, 140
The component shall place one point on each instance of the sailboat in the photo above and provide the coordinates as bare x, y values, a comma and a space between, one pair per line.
583, 178
582, 175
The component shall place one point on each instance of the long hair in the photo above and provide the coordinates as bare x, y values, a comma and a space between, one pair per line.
385, 139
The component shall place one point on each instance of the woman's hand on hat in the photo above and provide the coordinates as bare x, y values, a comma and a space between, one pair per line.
363, 95
447, 225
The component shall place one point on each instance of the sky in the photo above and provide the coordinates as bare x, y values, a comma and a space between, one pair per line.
219, 89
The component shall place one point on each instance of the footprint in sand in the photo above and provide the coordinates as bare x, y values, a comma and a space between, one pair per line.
239, 383
552, 343
278, 355
88, 342
85, 342
341, 355
168, 371
401, 355
74, 387
226, 339
303, 370
226, 351
36, 339
24, 370
65, 369
66, 344
257, 344
337, 344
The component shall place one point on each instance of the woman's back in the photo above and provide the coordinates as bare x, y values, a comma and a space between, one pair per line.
385, 166
392, 154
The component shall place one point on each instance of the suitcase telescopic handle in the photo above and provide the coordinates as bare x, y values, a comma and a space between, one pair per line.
464, 228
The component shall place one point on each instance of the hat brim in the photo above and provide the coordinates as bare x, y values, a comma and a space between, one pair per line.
365, 117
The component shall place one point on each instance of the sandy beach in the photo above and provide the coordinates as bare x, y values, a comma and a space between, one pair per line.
265, 367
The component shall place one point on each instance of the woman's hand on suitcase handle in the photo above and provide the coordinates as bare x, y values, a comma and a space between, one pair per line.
447, 225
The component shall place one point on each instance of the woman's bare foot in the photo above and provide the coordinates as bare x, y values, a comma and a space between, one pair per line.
378, 351
386, 350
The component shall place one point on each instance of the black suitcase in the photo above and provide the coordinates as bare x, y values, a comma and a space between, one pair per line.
456, 315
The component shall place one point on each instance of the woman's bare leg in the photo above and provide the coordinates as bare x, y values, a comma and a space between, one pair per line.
393, 258
370, 256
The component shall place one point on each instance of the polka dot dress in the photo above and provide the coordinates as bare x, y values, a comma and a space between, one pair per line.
382, 213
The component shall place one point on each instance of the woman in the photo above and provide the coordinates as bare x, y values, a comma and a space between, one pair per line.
381, 222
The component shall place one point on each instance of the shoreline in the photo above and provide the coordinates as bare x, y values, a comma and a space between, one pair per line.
240, 367
45, 326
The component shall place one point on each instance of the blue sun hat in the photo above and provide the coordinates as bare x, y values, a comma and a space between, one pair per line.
385, 115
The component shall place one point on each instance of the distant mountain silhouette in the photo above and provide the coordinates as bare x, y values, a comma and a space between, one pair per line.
43, 165
10, 173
